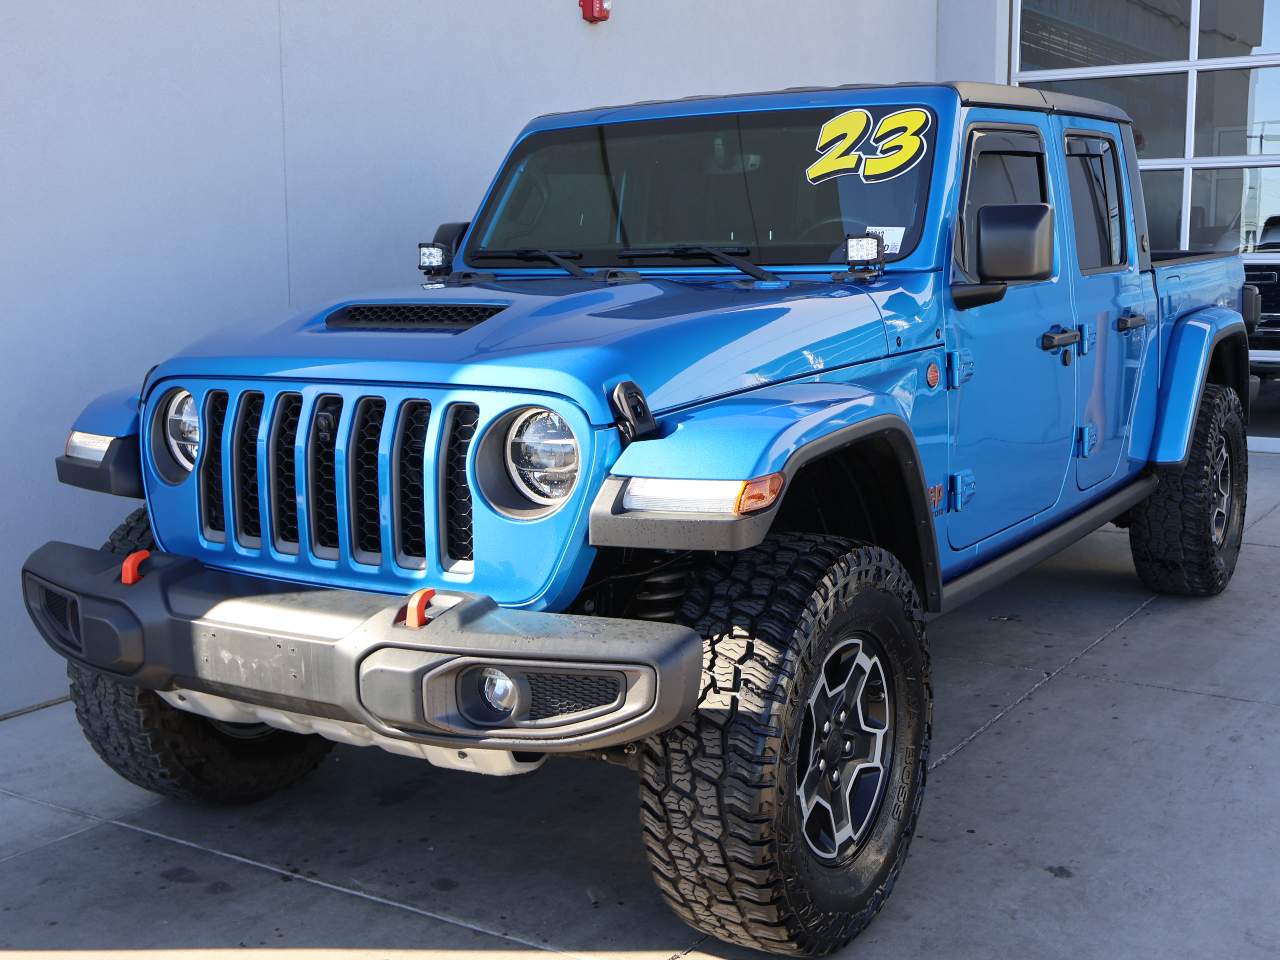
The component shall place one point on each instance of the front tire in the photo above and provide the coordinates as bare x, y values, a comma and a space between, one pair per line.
803, 633
175, 753
1186, 536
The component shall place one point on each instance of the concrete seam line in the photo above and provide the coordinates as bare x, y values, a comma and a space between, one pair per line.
1257, 520
23, 711
1036, 686
1169, 689
280, 871
48, 843
691, 947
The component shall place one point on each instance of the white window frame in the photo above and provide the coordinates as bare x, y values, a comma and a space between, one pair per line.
1193, 66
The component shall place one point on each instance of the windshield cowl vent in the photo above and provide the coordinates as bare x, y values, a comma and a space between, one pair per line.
430, 317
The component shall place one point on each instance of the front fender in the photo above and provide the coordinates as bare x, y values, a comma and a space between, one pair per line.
1192, 347
113, 414
753, 434
119, 470
774, 430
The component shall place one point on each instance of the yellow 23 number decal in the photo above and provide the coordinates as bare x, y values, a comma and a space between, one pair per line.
898, 141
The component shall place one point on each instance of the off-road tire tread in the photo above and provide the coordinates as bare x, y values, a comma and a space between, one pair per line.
173, 753
1171, 552
706, 803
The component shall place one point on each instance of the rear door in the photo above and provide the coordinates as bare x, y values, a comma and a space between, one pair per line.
1013, 406
1114, 302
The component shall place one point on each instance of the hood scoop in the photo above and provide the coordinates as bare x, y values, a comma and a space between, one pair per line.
429, 317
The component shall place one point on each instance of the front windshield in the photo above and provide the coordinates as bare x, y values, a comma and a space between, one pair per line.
777, 187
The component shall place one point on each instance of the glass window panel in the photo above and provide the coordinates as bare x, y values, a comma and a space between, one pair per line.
1239, 28
1238, 113
1237, 208
1059, 34
1158, 105
1095, 202
998, 178
1162, 190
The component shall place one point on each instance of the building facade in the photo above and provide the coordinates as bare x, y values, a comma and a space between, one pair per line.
1201, 78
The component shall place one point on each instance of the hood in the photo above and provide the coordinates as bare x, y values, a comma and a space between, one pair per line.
682, 341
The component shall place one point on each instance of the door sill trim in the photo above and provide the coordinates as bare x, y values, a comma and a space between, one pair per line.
1007, 566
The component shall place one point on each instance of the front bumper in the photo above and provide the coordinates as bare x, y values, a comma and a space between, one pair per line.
328, 661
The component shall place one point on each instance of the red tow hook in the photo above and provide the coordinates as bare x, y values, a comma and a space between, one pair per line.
131, 569
415, 614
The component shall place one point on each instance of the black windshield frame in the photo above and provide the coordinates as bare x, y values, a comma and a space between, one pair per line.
644, 145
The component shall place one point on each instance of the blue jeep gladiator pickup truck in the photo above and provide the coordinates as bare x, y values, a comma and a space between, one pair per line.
667, 463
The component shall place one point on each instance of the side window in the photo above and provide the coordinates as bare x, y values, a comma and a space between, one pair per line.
1003, 168
1093, 177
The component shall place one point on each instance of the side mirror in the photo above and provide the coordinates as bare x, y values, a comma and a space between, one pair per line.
1015, 242
449, 235
436, 258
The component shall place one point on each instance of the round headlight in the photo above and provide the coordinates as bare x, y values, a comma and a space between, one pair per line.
542, 456
182, 429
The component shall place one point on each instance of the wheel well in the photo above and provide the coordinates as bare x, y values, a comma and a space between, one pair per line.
864, 492
1229, 366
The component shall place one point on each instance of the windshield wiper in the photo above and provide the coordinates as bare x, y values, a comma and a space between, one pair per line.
726, 255
560, 259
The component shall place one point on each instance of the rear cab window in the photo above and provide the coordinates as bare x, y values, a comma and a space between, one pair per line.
1097, 202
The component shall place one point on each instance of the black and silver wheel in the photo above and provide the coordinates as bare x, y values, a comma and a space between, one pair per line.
779, 816
847, 737
1220, 491
1186, 536
180, 754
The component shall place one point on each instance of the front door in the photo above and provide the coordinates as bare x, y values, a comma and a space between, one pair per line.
1014, 404
1114, 303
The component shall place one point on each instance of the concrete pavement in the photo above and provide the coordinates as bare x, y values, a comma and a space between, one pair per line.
1105, 783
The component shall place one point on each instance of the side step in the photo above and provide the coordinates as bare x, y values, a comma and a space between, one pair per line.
964, 588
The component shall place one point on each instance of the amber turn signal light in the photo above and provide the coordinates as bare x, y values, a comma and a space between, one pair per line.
760, 493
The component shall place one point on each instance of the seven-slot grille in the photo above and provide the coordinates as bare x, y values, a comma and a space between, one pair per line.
293, 472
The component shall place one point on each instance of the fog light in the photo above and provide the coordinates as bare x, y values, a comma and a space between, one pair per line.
499, 690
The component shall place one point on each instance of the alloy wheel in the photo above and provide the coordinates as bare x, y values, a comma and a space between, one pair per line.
845, 745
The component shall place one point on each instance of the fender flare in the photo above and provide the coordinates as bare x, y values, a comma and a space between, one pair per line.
1195, 342
777, 430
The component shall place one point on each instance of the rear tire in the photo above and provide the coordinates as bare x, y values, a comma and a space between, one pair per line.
800, 631
1186, 536
175, 753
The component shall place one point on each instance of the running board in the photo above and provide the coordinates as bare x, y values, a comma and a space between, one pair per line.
964, 588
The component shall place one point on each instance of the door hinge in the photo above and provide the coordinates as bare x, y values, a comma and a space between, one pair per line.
959, 367
1088, 440
961, 488
1088, 338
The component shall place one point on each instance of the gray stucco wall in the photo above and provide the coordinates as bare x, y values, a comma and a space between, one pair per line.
169, 167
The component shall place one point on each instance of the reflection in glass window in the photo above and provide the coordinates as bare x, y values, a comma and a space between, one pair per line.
1239, 28
1238, 113
1059, 34
1158, 105
1093, 179
1162, 190
1236, 208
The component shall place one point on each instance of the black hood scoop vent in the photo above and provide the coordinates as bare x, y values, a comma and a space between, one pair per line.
430, 317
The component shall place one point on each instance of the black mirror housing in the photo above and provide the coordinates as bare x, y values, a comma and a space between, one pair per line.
449, 236
1015, 242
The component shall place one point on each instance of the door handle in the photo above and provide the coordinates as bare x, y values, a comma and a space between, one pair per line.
1131, 321
1058, 338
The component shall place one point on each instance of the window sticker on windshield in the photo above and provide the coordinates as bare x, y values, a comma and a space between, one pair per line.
854, 142
892, 237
